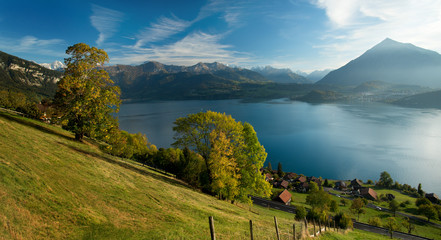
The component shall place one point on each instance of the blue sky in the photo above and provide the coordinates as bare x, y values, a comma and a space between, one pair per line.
302, 35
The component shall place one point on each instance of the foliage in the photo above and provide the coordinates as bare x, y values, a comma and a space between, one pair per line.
394, 206
231, 151
422, 201
333, 206
313, 187
319, 199
127, 145
428, 211
343, 202
369, 181
20, 102
385, 180
327, 184
300, 213
408, 225
86, 97
391, 225
357, 207
420, 190
375, 221
342, 220
280, 170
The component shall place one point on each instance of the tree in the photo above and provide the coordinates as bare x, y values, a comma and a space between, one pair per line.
394, 206
408, 225
343, 221
319, 199
428, 211
280, 170
420, 190
86, 97
391, 225
313, 187
385, 180
422, 201
333, 206
357, 207
300, 213
343, 202
270, 168
235, 146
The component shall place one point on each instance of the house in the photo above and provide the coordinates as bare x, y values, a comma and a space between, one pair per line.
340, 185
368, 193
285, 197
316, 180
300, 179
356, 184
284, 184
432, 197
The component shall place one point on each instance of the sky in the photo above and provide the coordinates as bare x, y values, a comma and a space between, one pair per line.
304, 35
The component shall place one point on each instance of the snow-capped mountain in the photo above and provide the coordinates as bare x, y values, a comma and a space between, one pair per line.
57, 65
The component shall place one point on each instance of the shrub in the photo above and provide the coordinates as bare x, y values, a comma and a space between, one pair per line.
342, 220
375, 221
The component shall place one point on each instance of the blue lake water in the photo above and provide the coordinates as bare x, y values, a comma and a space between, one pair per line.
334, 141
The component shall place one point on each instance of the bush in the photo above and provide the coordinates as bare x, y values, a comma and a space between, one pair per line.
375, 221
342, 220
300, 213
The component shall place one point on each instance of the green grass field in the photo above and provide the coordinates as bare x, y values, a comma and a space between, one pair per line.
52, 187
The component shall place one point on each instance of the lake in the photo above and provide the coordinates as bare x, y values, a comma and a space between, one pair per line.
334, 141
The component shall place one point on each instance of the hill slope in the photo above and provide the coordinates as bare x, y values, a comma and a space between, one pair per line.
52, 187
392, 62
422, 100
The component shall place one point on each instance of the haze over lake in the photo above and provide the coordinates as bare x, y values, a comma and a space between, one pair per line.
334, 141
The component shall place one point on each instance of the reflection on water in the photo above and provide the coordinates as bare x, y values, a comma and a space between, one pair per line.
336, 141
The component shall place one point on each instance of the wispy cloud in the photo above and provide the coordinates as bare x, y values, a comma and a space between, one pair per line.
106, 21
162, 29
356, 25
194, 48
31, 44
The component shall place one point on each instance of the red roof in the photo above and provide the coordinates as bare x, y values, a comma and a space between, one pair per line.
284, 184
301, 179
368, 193
285, 196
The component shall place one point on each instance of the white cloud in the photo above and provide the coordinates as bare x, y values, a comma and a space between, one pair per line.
31, 44
160, 30
357, 25
194, 48
106, 21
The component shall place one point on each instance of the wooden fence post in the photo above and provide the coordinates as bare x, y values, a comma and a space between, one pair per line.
251, 230
277, 228
213, 234
294, 231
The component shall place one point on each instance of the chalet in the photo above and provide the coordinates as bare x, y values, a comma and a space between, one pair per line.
300, 179
356, 184
284, 184
368, 193
432, 197
340, 185
285, 197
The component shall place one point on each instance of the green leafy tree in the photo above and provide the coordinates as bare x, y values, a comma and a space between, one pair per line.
319, 199
391, 225
342, 220
385, 180
343, 202
422, 201
428, 211
408, 225
357, 207
300, 213
394, 206
207, 131
270, 168
86, 96
333, 206
420, 190
313, 187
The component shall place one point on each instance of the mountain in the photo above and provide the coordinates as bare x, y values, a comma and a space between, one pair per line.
56, 65
21, 75
317, 75
393, 62
154, 80
281, 75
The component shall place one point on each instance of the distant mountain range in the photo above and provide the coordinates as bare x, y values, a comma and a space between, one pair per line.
281, 75
17, 74
317, 75
393, 62
56, 65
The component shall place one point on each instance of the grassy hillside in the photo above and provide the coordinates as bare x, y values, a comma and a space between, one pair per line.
52, 187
